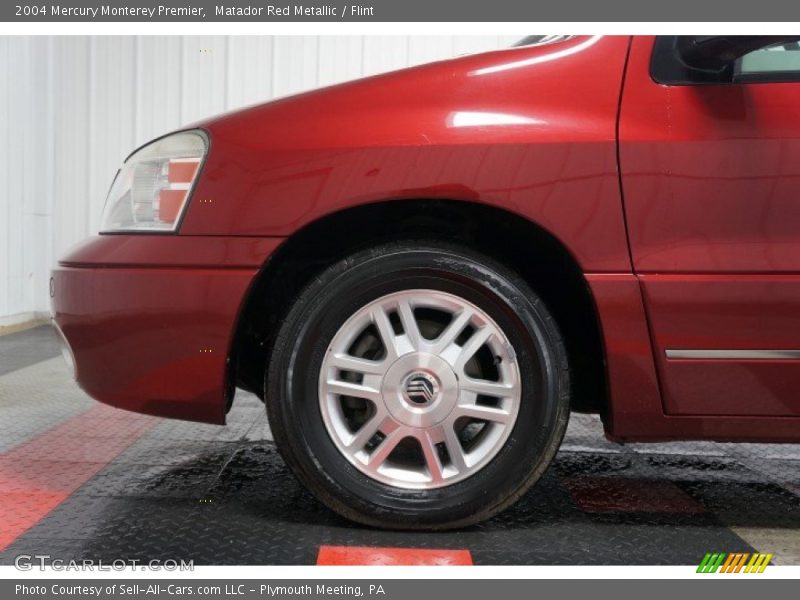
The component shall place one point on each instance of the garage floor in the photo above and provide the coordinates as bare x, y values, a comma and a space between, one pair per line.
81, 480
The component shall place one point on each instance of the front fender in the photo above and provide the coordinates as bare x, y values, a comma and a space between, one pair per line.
530, 130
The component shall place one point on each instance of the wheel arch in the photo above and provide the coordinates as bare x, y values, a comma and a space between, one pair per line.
502, 235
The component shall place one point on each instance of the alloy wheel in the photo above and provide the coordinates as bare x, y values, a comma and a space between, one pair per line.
419, 389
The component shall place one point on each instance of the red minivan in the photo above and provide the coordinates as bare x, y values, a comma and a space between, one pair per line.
422, 273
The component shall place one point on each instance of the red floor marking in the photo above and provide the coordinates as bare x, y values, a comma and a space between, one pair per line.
600, 494
40, 474
362, 555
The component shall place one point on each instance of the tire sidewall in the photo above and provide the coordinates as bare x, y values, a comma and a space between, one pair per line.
293, 384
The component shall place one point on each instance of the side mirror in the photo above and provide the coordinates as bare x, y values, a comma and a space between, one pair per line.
716, 53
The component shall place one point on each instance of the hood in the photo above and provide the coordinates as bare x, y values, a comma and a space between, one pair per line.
515, 89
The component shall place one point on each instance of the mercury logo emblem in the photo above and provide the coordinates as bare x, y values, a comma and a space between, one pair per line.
421, 388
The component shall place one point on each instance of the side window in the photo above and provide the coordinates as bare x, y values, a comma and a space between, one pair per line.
780, 62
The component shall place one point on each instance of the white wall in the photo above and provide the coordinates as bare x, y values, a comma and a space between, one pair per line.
72, 108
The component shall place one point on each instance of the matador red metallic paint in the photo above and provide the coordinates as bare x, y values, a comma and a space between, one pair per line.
487, 128
709, 174
530, 130
150, 318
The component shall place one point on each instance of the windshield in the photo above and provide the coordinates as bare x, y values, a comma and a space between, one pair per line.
540, 40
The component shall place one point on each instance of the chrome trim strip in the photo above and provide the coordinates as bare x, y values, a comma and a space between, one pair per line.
734, 354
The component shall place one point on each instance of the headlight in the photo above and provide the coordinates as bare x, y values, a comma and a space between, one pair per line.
153, 185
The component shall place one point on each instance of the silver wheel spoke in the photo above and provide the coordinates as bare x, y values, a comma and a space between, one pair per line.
382, 452
454, 328
483, 413
473, 344
428, 443
486, 388
346, 362
346, 388
406, 314
384, 326
454, 449
367, 431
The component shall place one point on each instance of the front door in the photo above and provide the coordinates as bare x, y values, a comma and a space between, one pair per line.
711, 185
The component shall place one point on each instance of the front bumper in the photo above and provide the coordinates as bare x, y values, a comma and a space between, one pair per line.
150, 319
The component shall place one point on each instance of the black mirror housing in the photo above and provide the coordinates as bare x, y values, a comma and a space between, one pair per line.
699, 60
715, 53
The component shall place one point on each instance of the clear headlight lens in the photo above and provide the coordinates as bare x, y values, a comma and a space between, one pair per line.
152, 188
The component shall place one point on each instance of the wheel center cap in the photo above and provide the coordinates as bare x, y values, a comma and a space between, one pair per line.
420, 389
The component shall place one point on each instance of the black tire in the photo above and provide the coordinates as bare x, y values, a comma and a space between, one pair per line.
322, 307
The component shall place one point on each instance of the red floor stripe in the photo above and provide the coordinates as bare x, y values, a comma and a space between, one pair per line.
40, 474
362, 555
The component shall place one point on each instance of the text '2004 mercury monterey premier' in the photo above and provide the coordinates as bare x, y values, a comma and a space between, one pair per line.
422, 273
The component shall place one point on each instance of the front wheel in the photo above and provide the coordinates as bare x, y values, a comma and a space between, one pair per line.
418, 386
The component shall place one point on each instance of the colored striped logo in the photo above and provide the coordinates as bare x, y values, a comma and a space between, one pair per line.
734, 563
